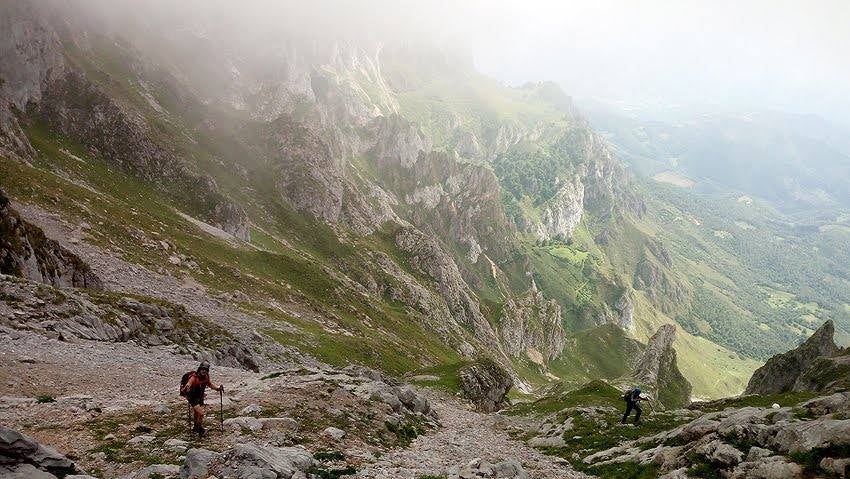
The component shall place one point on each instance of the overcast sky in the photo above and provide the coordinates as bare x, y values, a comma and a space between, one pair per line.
790, 55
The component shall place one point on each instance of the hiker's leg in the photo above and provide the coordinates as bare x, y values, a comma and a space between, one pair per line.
638, 410
628, 411
199, 415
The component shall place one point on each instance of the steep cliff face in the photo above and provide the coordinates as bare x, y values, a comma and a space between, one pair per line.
799, 368
42, 85
621, 313
427, 257
531, 327
27, 253
562, 213
30, 58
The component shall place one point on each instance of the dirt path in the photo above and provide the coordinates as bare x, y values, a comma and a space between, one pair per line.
465, 435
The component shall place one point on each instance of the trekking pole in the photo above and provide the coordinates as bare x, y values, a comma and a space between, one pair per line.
188, 405
221, 408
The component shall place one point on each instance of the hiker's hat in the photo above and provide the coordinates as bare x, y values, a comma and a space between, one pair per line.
204, 365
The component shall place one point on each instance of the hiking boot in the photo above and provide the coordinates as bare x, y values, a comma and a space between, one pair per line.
199, 430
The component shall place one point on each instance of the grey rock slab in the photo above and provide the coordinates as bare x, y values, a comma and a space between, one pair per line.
807, 435
141, 439
244, 422
156, 470
196, 464
251, 460
24, 471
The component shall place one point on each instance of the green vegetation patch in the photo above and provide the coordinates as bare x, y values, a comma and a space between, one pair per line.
755, 400
594, 393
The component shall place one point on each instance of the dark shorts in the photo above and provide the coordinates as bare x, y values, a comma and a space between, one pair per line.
196, 401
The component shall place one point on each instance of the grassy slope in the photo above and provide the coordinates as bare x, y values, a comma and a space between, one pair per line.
120, 207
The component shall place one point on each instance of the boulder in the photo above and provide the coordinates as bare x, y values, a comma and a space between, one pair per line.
159, 471
251, 460
196, 465
839, 467
17, 449
251, 409
718, 452
413, 401
772, 467
176, 445
486, 384
805, 436
141, 439
285, 423
24, 471
478, 468
821, 406
244, 422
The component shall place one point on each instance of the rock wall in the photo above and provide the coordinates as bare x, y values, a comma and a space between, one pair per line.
27, 253
658, 371
782, 372
562, 213
531, 327
38, 82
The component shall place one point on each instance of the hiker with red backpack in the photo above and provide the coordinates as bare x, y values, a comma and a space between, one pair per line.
192, 387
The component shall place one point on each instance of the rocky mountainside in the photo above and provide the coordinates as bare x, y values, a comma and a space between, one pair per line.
338, 154
816, 365
26, 252
341, 169
320, 217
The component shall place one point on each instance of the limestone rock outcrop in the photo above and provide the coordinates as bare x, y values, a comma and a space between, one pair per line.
40, 84
531, 326
486, 384
104, 316
657, 370
747, 442
22, 456
26, 252
782, 372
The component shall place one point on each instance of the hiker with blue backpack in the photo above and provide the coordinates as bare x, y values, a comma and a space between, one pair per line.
193, 386
633, 398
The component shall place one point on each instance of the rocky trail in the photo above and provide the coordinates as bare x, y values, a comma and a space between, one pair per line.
119, 402
468, 441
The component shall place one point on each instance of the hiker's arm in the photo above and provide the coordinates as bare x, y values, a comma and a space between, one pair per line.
186, 387
212, 386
